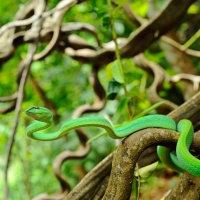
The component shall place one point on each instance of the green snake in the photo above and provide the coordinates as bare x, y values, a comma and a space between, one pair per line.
182, 161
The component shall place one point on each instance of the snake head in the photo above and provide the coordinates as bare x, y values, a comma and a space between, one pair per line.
40, 114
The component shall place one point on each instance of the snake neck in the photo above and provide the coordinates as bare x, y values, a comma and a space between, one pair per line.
37, 126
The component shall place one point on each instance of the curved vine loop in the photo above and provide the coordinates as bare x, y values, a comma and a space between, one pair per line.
7, 35
9, 31
55, 24
159, 78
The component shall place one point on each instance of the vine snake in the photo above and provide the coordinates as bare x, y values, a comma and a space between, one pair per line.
183, 161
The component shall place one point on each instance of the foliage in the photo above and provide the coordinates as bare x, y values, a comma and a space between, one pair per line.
65, 82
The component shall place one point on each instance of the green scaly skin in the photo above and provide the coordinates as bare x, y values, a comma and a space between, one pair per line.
188, 162
183, 161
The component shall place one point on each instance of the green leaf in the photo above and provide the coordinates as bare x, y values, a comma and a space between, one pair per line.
113, 89
135, 189
96, 137
121, 107
121, 2
109, 75
117, 71
145, 172
106, 21
154, 106
193, 9
140, 7
123, 103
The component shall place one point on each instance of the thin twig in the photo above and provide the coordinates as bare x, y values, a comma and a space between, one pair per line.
192, 39
181, 47
117, 53
20, 97
190, 77
39, 11
9, 98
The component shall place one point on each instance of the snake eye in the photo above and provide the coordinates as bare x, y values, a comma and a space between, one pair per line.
36, 107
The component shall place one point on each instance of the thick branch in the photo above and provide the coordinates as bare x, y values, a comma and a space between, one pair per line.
85, 189
189, 110
187, 188
126, 156
156, 27
159, 77
136, 44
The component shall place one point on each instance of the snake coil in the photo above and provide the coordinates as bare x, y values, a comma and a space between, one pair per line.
183, 161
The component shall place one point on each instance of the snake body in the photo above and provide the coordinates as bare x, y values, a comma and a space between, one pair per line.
183, 161
185, 140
